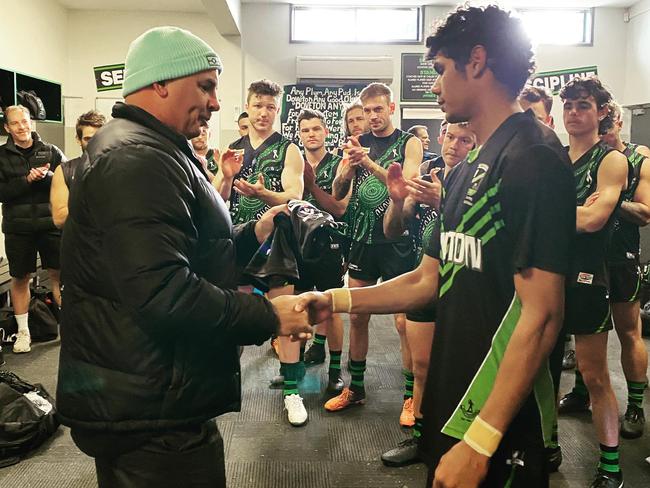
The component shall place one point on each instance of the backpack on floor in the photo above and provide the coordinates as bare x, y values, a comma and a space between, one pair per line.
27, 417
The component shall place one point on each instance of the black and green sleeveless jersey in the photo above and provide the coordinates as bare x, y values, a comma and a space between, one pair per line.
625, 244
212, 163
369, 200
589, 265
509, 208
422, 225
325, 173
267, 159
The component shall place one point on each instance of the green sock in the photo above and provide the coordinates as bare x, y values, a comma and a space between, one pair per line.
335, 362
293, 373
409, 379
357, 371
417, 428
635, 393
554, 439
609, 459
580, 388
319, 340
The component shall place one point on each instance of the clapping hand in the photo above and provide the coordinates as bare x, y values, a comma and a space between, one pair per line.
252, 190
396, 184
230, 163
423, 191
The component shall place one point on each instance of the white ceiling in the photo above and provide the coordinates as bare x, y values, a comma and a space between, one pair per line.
197, 5
155, 5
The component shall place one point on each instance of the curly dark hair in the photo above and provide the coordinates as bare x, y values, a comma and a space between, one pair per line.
585, 87
614, 113
509, 50
92, 118
264, 87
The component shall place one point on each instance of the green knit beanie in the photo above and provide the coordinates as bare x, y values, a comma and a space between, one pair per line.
165, 53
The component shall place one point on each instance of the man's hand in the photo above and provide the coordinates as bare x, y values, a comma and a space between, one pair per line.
591, 199
317, 304
309, 177
357, 155
293, 323
36, 174
247, 189
423, 191
396, 184
230, 163
265, 225
461, 467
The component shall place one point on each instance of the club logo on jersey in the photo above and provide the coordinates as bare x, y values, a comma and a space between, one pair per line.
462, 249
479, 174
585, 278
468, 412
395, 155
275, 154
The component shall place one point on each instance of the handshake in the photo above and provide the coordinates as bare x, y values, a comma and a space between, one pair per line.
297, 313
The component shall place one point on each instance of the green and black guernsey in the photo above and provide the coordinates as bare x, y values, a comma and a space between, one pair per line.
425, 218
369, 200
325, 173
508, 207
625, 244
268, 160
589, 266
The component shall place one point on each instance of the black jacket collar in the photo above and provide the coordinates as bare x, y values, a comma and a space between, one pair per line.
11, 145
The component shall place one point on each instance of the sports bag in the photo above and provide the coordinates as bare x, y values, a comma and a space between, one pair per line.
34, 104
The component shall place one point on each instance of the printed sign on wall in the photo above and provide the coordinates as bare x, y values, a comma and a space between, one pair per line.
329, 100
555, 80
109, 77
418, 77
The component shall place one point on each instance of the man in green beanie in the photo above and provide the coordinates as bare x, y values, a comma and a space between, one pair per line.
152, 322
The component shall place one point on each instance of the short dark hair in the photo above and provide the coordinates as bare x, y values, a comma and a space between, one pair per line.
308, 114
585, 87
92, 118
264, 87
534, 94
509, 50
243, 115
416, 128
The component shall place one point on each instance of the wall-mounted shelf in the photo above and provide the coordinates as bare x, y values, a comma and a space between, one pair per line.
49, 92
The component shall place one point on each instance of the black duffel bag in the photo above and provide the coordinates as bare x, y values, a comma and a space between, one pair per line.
27, 417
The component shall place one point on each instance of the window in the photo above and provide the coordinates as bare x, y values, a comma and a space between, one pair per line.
561, 26
356, 24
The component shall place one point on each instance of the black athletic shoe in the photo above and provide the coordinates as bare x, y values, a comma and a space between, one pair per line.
607, 480
569, 359
633, 422
404, 454
315, 355
573, 403
335, 384
553, 458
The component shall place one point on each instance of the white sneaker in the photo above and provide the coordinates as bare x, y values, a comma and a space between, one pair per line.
23, 342
296, 412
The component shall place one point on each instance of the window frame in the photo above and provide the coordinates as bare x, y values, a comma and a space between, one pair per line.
589, 14
420, 23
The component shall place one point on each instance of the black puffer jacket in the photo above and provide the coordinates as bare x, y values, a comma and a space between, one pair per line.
150, 321
26, 206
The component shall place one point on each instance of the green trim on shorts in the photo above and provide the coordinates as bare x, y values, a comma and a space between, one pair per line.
635, 295
604, 325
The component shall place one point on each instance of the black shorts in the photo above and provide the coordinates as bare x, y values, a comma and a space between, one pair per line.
369, 262
586, 310
21, 252
625, 281
322, 276
424, 314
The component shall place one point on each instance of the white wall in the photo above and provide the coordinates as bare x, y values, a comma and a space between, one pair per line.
268, 52
102, 37
637, 72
